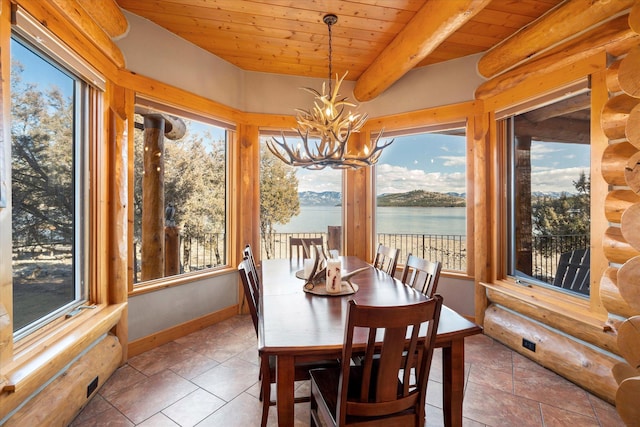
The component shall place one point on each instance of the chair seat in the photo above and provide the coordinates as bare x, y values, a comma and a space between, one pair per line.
302, 369
325, 388
301, 372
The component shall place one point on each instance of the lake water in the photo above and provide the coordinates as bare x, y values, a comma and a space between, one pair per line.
390, 220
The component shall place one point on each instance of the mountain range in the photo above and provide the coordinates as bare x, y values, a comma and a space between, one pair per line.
417, 198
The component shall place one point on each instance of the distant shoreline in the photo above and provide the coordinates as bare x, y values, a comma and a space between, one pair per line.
415, 198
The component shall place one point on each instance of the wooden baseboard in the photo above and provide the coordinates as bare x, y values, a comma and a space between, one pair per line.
152, 341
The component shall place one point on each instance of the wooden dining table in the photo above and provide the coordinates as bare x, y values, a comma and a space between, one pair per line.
297, 326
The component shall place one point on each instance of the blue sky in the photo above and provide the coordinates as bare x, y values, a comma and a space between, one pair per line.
38, 71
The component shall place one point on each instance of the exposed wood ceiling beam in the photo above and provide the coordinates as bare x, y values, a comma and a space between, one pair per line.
431, 25
558, 25
107, 15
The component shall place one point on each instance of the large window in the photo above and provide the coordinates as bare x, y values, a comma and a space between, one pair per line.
50, 127
180, 194
421, 197
548, 152
296, 202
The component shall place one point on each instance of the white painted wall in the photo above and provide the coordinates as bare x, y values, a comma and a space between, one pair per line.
156, 311
152, 51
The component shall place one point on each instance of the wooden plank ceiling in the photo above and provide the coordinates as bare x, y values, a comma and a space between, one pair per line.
289, 36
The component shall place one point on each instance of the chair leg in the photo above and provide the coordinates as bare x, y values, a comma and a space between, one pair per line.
265, 389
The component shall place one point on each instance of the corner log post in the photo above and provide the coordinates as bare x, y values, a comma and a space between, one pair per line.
153, 199
160, 244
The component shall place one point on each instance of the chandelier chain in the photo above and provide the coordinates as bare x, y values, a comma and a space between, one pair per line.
324, 130
329, 23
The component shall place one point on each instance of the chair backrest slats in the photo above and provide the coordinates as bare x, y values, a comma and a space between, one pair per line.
422, 275
386, 259
393, 337
251, 290
302, 246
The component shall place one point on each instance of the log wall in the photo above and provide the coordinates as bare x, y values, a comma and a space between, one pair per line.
583, 341
620, 284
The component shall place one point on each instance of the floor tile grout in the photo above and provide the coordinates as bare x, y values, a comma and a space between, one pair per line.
536, 398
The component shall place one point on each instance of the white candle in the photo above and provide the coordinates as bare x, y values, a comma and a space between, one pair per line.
308, 266
334, 277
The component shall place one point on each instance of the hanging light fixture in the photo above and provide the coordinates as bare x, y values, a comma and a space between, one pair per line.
325, 129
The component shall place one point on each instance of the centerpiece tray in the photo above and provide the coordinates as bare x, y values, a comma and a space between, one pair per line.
347, 288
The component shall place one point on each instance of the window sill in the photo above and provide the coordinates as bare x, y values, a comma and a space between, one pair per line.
181, 279
569, 306
42, 356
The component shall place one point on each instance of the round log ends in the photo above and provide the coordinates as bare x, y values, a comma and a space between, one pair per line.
617, 201
621, 371
614, 161
610, 296
634, 18
629, 341
613, 85
627, 398
632, 172
630, 225
615, 114
628, 281
616, 248
629, 73
632, 128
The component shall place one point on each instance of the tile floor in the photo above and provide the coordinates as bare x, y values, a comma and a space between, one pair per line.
209, 378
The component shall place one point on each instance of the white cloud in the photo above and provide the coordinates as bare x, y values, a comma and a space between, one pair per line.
454, 160
548, 179
398, 179
542, 151
326, 179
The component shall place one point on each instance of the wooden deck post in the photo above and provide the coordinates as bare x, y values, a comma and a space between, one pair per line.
524, 249
153, 199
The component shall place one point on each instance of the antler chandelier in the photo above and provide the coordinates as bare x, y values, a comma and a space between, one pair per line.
325, 130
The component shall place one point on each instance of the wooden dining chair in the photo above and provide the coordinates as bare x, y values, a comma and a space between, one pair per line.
386, 259
267, 374
302, 246
381, 390
422, 275
248, 253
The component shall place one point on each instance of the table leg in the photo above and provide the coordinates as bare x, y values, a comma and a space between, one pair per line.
453, 382
285, 390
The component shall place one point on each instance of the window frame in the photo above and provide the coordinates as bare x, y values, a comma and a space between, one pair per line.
264, 133
504, 136
89, 87
151, 102
436, 129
